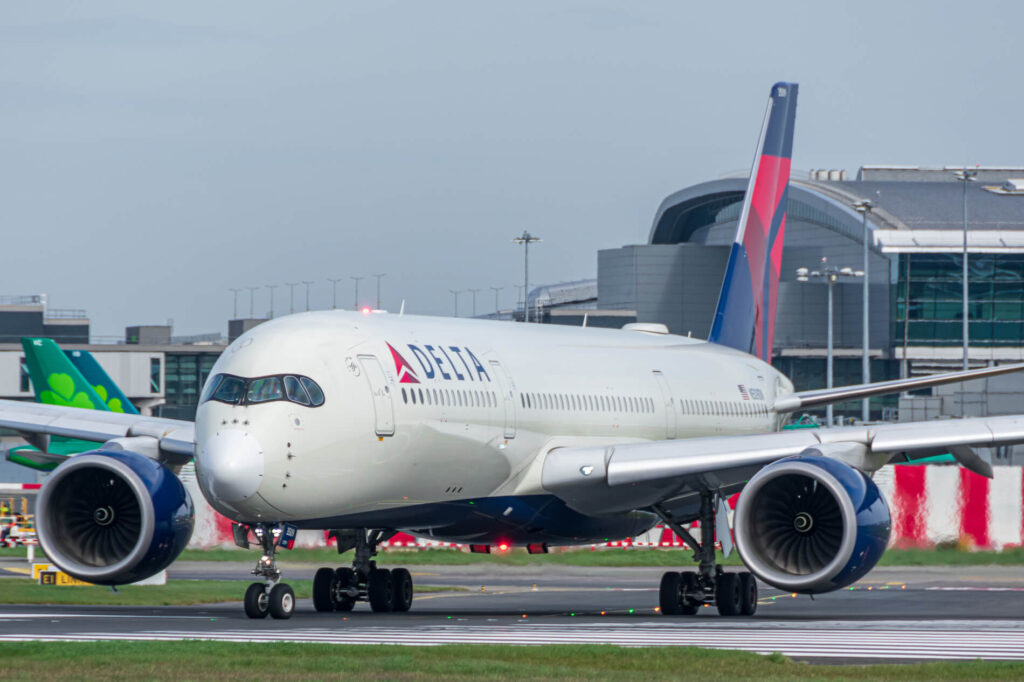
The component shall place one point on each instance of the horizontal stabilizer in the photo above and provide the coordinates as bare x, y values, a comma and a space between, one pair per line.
34, 459
797, 401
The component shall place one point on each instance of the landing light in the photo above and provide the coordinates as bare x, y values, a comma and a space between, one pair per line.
367, 310
503, 547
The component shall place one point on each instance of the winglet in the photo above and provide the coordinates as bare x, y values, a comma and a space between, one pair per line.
745, 316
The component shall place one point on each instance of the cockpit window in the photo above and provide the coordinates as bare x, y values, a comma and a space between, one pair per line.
233, 390
316, 396
211, 387
294, 390
264, 390
230, 390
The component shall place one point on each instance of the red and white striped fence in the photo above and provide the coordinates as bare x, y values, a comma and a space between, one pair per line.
929, 505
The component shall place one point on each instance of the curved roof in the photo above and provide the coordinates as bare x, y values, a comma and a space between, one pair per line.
899, 205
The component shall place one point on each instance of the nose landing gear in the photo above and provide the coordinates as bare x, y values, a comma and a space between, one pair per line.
339, 589
269, 597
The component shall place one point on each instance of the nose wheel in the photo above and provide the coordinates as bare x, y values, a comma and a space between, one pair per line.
270, 597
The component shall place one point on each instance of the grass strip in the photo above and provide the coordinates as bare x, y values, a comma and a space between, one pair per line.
229, 661
174, 593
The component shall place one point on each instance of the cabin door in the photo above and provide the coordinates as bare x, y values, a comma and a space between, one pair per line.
508, 402
383, 407
669, 402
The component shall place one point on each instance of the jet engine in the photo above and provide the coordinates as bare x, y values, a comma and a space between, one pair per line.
113, 517
811, 524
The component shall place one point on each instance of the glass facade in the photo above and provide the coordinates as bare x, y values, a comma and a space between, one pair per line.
928, 299
184, 376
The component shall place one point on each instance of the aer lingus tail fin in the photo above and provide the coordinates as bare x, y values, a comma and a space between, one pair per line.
55, 380
101, 382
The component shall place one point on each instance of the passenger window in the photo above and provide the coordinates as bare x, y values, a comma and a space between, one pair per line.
316, 396
405, 398
293, 389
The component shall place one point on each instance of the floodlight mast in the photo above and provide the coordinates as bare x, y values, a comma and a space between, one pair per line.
526, 239
965, 175
864, 208
829, 274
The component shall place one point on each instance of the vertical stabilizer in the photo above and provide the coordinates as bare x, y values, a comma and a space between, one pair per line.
101, 382
55, 379
745, 316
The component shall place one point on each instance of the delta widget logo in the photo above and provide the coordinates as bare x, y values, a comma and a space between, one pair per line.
406, 374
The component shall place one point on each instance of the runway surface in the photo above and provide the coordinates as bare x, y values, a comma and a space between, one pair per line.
895, 614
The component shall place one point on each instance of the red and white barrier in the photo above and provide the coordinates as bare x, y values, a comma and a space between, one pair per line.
929, 505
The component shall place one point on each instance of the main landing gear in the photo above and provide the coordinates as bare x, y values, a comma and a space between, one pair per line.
270, 596
683, 594
338, 589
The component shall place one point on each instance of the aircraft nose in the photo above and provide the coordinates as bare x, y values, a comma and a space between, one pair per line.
230, 465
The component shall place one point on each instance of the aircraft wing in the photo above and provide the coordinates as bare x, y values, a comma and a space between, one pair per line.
171, 439
796, 401
639, 475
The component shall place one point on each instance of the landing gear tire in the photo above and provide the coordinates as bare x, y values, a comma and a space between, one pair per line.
380, 590
680, 594
324, 590
748, 594
670, 594
401, 583
346, 578
691, 593
256, 601
281, 601
727, 594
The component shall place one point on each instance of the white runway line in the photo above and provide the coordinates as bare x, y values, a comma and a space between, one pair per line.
808, 640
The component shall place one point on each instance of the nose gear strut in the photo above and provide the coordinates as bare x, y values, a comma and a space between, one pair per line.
270, 596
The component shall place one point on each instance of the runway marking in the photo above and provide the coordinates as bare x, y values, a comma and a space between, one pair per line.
807, 641
974, 589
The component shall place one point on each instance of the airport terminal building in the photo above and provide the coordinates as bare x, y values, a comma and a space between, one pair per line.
916, 240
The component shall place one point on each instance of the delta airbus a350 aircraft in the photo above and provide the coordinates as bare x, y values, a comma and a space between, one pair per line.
487, 432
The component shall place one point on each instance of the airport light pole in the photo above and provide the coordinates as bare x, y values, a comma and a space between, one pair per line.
474, 292
497, 308
334, 291
964, 176
252, 299
272, 287
379, 276
526, 239
235, 309
291, 296
864, 207
455, 294
356, 280
829, 274
307, 283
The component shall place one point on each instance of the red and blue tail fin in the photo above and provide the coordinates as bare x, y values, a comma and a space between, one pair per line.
745, 317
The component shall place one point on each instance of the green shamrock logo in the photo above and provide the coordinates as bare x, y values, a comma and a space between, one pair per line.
114, 404
62, 392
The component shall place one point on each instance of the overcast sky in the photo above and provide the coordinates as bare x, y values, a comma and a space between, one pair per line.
152, 156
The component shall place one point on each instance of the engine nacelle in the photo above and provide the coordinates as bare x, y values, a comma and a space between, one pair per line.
811, 524
113, 517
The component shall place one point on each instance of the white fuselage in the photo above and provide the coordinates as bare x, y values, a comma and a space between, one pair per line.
426, 410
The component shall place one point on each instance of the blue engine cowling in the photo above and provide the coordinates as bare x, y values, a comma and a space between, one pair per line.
811, 524
113, 517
